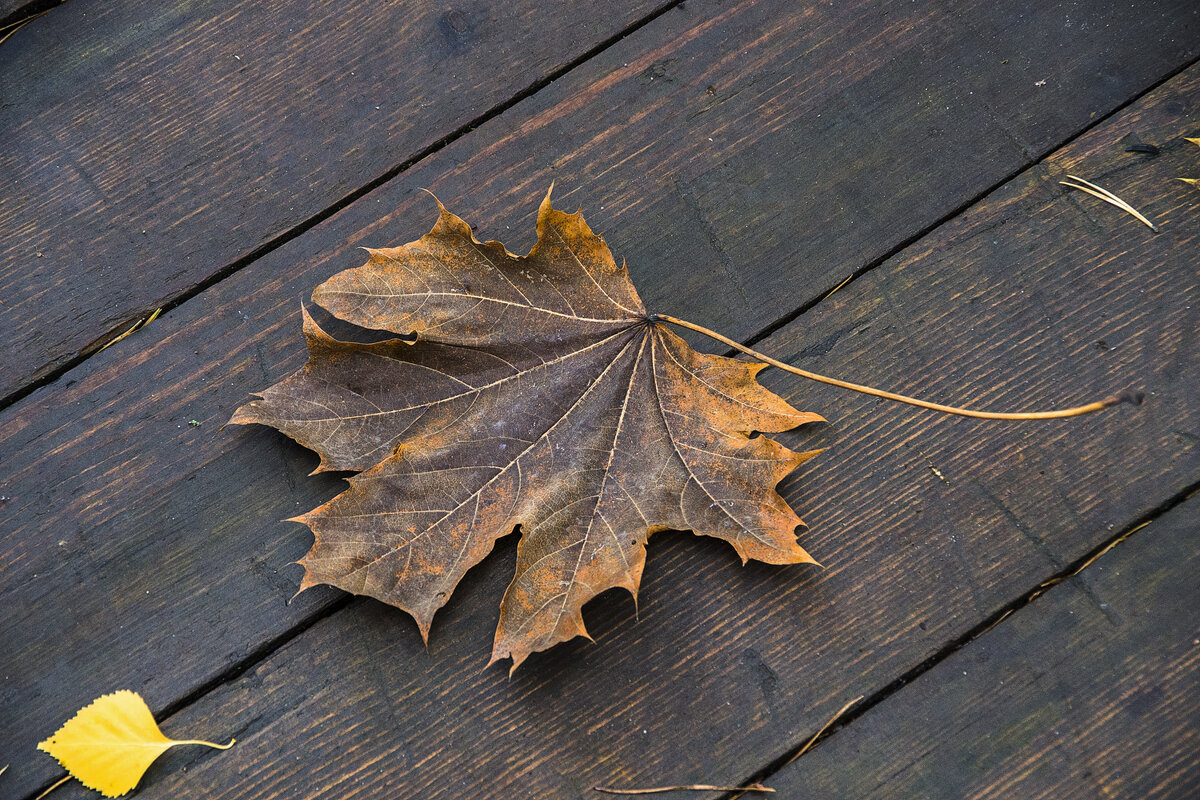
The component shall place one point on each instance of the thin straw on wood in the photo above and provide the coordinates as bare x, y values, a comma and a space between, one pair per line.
750, 787
53, 786
824, 728
692, 787
16, 26
1108, 197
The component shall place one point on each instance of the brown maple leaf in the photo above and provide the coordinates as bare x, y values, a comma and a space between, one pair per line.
538, 392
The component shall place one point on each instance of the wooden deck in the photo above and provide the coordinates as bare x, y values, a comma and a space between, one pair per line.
218, 160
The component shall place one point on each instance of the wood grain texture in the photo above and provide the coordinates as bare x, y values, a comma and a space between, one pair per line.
170, 531
816, 138
147, 146
1090, 691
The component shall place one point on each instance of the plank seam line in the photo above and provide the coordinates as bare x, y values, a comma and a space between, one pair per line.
1076, 567
255, 657
278, 240
28, 10
268, 649
1048, 151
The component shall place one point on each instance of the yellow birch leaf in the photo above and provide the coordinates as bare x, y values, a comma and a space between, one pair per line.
1195, 142
111, 743
1193, 182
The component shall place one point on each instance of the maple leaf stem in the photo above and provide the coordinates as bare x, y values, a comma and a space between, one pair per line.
1133, 397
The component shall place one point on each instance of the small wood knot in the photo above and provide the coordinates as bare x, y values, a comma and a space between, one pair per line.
457, 29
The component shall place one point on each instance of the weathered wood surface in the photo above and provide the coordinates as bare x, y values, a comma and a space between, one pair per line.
148, 146
1089, 691
685, 140
171, 532
1016, 294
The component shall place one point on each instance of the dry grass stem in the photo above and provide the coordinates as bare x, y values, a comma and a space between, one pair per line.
53, 786
24, 21
1108, 197
1002, 617
21, 23
1089, 562
694, 787
750, 787
834, 289
1110, 546
136, 327
808, 745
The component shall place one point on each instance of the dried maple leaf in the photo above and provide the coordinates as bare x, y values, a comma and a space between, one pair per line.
111, 743
538, 393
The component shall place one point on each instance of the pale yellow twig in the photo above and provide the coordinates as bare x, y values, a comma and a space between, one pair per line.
691, 787
824, 728
750, 787
137, 327
1108, 197
834, 289
53, 786
16, 26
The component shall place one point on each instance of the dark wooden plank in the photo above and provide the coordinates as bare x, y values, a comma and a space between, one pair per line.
169, 531
1090, 691
147, 146
747, 137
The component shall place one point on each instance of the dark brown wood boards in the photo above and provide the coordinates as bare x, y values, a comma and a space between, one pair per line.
154, 548
927, 525
148, 146
162, 154
1088, 692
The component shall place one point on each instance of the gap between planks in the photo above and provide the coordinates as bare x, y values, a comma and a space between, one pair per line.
26, 13
804, 308
1069, 571
299, 229
283, 237
843, 719
268, 648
